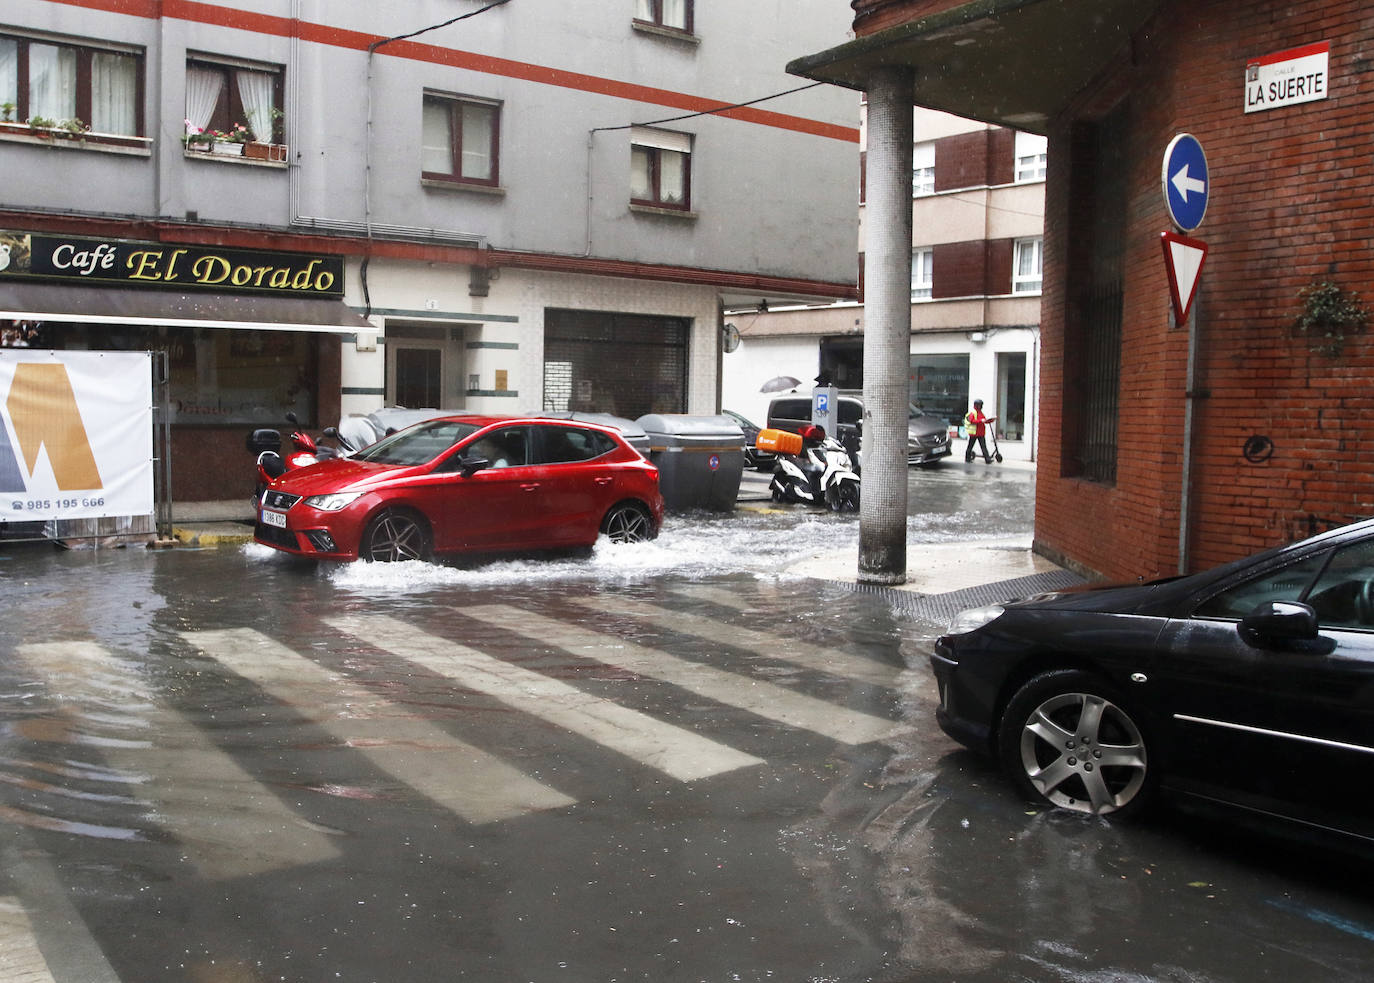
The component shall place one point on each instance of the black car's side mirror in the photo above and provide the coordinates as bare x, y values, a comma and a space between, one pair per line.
1282, 621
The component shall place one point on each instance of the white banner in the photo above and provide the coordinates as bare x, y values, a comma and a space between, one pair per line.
77, 436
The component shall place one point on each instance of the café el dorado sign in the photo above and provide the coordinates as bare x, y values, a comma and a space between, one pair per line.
126, 263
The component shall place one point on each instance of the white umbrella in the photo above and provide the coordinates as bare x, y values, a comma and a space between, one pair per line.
779, 383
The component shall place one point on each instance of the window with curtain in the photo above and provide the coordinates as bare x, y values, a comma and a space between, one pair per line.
459, 140
922, 273
1026, 275
660, 168
673, 14
221, 96
60, 82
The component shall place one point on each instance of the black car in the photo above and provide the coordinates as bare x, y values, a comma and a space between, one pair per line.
1251, 685
753, 457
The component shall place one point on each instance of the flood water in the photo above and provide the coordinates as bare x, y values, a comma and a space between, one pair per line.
673, 761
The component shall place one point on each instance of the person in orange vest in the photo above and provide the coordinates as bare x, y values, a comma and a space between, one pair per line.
977, 426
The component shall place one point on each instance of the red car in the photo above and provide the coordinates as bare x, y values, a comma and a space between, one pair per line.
466, 484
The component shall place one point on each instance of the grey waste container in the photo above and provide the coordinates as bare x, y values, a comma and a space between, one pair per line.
700, 459
632, 432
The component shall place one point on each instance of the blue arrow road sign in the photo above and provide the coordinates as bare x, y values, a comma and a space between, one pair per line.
1185, 180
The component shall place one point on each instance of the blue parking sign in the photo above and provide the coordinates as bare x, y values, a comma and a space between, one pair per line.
1186, 184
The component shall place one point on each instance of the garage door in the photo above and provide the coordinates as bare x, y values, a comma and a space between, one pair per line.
624, 364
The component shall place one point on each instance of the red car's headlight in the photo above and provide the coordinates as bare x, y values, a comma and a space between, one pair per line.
333, 501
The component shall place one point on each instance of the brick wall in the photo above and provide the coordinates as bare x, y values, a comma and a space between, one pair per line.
976, 268
1290, 204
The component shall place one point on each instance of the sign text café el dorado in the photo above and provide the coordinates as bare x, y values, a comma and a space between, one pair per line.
125, 263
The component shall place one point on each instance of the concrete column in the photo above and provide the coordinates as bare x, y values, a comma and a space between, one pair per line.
887, 327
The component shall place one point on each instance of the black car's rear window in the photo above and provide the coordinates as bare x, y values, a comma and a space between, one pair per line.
419, 444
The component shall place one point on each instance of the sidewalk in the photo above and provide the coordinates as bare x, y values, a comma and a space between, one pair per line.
932, 568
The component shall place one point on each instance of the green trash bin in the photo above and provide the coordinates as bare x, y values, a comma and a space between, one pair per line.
700, 459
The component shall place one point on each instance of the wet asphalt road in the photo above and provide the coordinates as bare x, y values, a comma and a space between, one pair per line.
665, 764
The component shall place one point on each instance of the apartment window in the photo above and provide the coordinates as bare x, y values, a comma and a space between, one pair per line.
1032, 153
222, 96
673, 14
1026, 278
460, 140
922, 264
923, 170
57, 83
660, 168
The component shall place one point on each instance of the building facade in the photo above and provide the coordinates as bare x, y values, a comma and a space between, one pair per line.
1170, 445
977, 226
505, 207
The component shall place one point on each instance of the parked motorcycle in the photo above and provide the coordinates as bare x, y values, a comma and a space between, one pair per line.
266, 443
811, 467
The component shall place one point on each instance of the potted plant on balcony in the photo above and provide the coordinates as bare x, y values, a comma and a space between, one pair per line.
42, 126
265, 149
230, 144
196, 139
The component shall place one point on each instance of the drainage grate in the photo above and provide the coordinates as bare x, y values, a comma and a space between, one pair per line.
940, 608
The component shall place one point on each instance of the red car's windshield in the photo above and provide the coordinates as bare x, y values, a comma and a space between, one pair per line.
419, 444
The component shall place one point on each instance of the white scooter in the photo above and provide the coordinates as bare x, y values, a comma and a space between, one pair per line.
815, 469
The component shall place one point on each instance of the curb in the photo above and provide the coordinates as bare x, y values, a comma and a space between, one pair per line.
220, 534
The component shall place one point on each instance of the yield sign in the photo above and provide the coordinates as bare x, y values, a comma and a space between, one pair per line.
1183, 260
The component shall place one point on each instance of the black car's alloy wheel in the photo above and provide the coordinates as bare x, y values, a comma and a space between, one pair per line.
394, 536
628, 522
1067, 738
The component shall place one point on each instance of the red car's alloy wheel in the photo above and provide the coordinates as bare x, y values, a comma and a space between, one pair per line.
628, 522
395, 536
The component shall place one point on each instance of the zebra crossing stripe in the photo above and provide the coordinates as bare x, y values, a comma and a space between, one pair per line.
477, 786
676, 752
815, 657
230, 826
758, 697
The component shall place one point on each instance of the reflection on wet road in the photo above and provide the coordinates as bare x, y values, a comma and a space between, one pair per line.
676, 763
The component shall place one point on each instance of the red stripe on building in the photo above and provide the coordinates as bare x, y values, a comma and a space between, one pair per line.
218, 16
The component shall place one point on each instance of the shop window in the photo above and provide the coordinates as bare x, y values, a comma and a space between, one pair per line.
922, 275
1032, 155
923, 170
939, 384
236, 102
1011, 395
673, 14
660, 168
71, 87
1026, 262
460, 140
